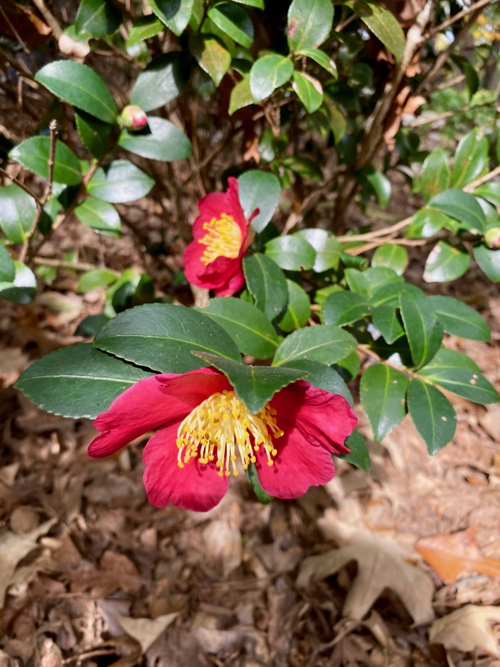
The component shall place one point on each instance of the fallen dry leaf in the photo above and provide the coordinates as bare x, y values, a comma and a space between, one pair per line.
467, 629
381, 565
450, 555
222, 544
146, 630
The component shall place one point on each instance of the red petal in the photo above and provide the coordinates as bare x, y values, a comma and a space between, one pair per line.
196, 486
233, 206
193, 266
224, 274
210, 206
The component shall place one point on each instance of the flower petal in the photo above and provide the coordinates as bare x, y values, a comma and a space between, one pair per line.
210, 206
193, 266
195, 487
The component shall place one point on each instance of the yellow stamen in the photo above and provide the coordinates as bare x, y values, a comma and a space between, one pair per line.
224, 238
221, 428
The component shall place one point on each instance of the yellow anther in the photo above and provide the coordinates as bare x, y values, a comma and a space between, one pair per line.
224, 239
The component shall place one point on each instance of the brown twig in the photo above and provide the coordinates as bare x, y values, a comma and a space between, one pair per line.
418, 122
61, 264
16, 34
49, 18
20, 184
446, 24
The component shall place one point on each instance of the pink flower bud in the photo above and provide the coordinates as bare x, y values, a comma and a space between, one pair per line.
492, 238
133, 117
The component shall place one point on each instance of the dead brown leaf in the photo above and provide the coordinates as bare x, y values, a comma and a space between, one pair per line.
146, 630
467, 629
450, 555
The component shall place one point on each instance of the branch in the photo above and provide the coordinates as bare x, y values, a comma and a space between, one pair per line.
73, 266
418, 122
50, 18
454, 19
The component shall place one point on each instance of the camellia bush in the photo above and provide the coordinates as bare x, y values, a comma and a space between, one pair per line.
299, 121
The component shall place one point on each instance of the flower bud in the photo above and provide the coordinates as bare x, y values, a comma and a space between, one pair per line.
492, 238
133, 117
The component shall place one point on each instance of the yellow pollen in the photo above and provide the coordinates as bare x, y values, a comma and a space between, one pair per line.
222, 240
221, 428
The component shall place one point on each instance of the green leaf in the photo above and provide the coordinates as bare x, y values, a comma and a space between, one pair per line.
144, 28
268, 73
241, 95
425, 223
323, 377
379, 183
344, 308
7, 267
349, 366
34, 155
359, 456
488, 261
162, 337
383, 391
233, 21
211, 55
386, 320
392, 256
266, 282
94, 279
259, 189
470, 159
248, 326
461, 206
121, 183
304, 167
251, 3
23, 288
160, 140
489, 191
97, 18
435, 174
95, 134
383, 24
432, 414
253, 478
327, 248
459, 319
422, 327
457, 373
357, 282
80, 86
298, 310
254, 385
446, 262
162, 81
309, 23
78, 381
98, 215
309, 91
175, 14
17, 212
326, 344
388, 294
291, 253
321, 58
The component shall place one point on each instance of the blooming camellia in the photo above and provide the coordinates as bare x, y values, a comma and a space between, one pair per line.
204, 431
221, 235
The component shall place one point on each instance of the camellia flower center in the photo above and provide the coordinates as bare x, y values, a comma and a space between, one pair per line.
223, 239
221, 428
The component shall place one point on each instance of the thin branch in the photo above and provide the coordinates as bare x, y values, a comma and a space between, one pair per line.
20, 184
425, 120
18, 37
446, 24
73, 266
50, 18
21, 67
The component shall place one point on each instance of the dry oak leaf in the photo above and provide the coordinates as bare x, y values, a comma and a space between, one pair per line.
381, 565
467, 629
146, 631
450, 555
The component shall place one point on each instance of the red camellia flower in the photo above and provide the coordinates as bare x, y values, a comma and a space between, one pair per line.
204, 430
221, 235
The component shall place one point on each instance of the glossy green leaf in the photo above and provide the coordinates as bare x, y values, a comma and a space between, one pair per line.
388, 294
175, 14
423, 329
392, 256
432, 414
266, 282
488, 261
359, 456
94, 279
95, 134
326, 344
490, 192
259, 4
459, 374
78, 381
446, 262
344, 308
80, 86
470, 159
23, 288
387, 321
254, 385
435, 174
162, 81
17, 212
248, 326
320, 58
336, 120
459, 319
262, 190
462, 206
211, 55
241, 95
425, 223
121, 183
34, 155
291, 253
304, 167
327, 248
233, 21
383, 24
162, 337
357, 282
379, 183
160, 140
382, 392
97, 18
323, 377
98, 215
144, 28
308, 90
298, 310
268, 73
253, 477
309, 23
7, 268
